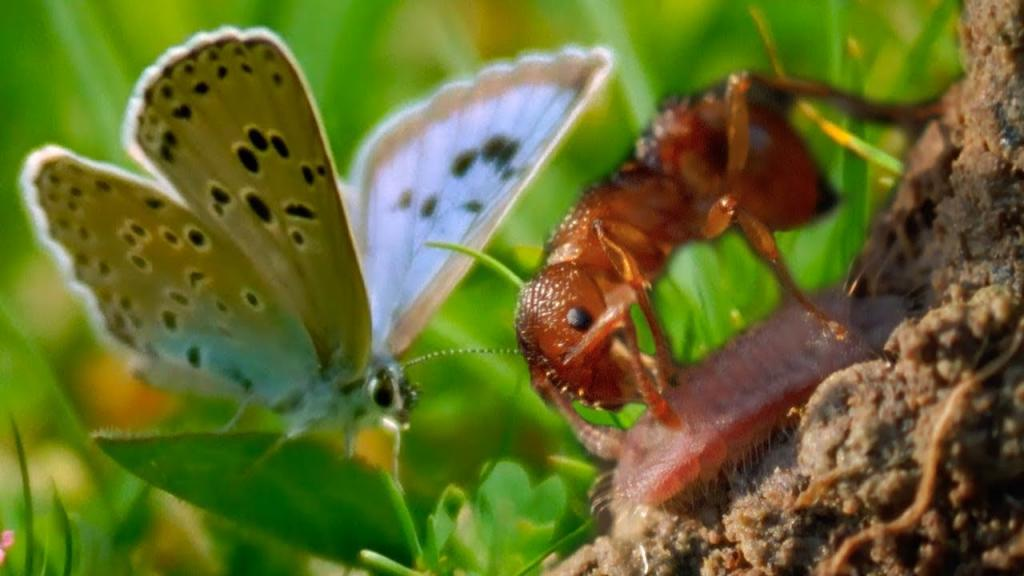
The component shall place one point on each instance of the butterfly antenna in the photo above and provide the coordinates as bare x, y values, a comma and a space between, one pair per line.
460, 351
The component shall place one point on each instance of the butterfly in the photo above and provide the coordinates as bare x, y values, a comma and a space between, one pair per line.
242, 267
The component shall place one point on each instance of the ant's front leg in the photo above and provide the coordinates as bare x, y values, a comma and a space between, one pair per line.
629, 271
605, 443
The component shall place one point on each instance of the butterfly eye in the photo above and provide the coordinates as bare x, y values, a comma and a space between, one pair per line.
578, 318
381, 391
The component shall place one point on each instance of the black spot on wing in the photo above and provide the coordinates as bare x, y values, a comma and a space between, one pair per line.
219, 195
248, 159
405, 200
429, 206
178, 298
196, 237
463, 162
252, 300
301, 211
259, 207
171, 238
279, 145
195, 278
499, 150
193, 356
258, 139
473, 206
170, 320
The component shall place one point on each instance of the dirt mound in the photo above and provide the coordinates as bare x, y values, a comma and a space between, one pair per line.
912, 464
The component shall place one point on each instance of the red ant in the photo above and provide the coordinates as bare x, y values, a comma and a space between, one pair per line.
726, 157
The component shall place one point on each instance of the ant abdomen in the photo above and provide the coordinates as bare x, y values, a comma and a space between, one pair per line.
779, 182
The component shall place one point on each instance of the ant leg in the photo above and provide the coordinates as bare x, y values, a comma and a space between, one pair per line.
605, 443
629, 271
762, 241
722, 212
851, 104
738, 126
659, 407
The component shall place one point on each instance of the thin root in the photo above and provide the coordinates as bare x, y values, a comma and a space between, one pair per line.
951, 408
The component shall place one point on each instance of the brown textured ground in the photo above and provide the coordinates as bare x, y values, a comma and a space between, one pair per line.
912, 465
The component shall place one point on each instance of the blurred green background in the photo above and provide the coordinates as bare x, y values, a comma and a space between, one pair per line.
70, 67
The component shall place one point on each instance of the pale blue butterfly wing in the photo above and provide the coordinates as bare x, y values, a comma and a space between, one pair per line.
449, 169
176, 291
229, 122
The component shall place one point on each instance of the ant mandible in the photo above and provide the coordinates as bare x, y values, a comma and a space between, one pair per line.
726, 157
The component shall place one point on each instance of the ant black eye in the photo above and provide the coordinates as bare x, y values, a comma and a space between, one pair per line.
579, 318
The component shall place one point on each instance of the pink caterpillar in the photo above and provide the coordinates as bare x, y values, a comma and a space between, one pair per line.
735, 398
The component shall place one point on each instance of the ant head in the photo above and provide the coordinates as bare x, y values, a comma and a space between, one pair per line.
557, 311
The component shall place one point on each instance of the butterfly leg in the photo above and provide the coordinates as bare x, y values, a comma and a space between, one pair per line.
396, 448
243, 407
629, 271
265, 456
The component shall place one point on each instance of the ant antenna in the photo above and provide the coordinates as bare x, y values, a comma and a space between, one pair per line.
460, 351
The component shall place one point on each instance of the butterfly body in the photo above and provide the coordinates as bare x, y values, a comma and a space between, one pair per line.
238, 269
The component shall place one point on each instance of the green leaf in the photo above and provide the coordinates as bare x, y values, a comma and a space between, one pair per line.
380, 564
506, 484
302, 491
547, 503
441, 525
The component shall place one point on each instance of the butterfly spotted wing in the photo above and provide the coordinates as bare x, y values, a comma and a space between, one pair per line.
237, 260
230, 124
166, 284
449, 169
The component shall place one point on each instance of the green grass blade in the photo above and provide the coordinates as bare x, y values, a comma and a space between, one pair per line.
99, 69
607, 20
485, 259
917, 57
26, 494
573, 536
65, 527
